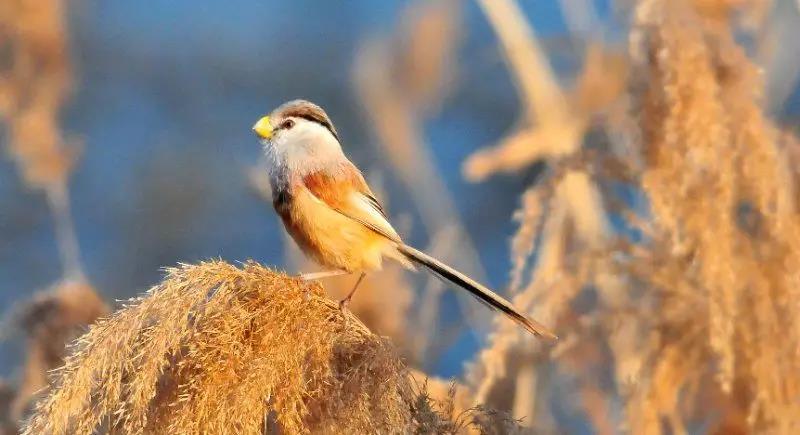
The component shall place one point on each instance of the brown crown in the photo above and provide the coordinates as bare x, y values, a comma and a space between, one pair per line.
306, 110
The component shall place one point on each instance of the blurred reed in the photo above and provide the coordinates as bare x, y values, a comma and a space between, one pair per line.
51, 319
35, 82
693, 315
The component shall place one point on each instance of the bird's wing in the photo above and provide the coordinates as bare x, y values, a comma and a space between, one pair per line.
347, 192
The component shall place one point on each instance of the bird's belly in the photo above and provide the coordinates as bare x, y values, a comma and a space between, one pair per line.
332, 239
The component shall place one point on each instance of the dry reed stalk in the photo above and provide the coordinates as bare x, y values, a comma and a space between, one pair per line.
554, 121
34, 85
559, 134
543, 98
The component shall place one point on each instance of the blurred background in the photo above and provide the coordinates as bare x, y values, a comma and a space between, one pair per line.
126, 130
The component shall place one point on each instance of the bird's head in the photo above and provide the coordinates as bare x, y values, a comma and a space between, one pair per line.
300, 135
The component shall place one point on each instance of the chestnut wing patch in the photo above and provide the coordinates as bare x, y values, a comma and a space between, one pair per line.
348, 193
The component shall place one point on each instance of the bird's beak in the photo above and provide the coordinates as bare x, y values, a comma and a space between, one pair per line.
263, 128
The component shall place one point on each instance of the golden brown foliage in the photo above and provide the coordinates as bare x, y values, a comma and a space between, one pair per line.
215, 348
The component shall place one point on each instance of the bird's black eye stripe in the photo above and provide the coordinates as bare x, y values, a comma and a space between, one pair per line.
321, 121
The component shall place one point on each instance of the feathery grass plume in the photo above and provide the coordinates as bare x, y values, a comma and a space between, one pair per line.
444, 408
52, 319
448, 393
722, 199
510, 361
696, 319
215, 348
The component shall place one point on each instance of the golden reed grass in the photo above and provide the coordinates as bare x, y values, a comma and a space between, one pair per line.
215, 348
218, 349
697, 319
723, 202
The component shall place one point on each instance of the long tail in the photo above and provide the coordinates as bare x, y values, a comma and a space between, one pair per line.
482, 293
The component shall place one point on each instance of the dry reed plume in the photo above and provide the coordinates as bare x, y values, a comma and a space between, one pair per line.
696, 320
723, 203
217, 349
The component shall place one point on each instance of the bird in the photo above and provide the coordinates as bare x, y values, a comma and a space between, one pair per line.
330, 212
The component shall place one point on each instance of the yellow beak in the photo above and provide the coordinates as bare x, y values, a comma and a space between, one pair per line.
263, 128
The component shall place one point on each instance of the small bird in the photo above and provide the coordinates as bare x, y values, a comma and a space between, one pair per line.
331, 213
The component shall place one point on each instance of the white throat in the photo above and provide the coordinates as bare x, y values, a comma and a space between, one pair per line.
306, 148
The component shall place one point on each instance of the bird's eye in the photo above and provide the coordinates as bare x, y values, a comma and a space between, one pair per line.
287, 124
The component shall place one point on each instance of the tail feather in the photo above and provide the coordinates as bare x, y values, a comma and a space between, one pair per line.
483, 294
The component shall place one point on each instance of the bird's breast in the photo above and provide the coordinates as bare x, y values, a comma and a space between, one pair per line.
326, 235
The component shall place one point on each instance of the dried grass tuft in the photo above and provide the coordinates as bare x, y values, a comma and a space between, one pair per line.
215, 348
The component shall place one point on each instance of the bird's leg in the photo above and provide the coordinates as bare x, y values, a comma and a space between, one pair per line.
313, 276
319, 275
346, 301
